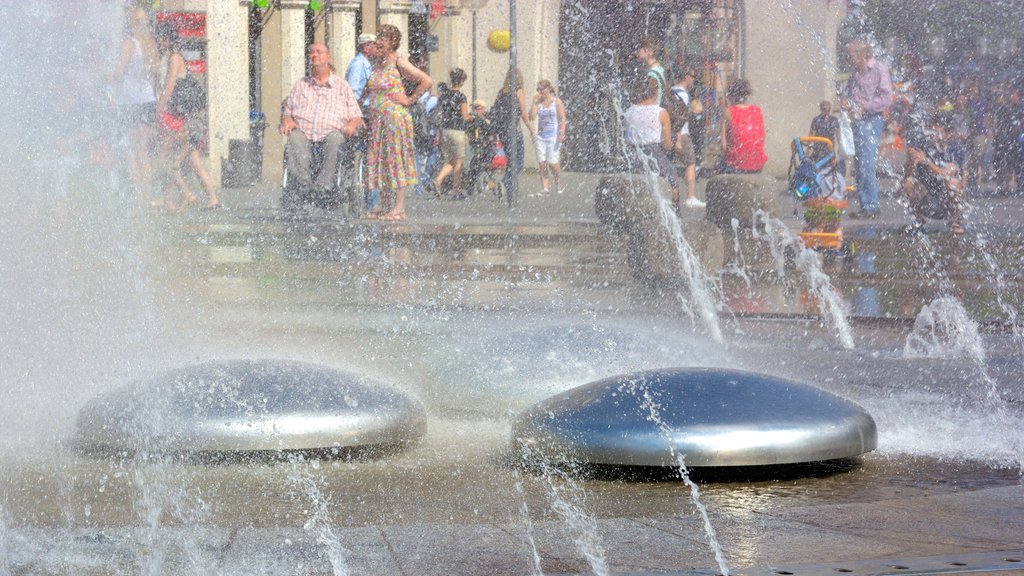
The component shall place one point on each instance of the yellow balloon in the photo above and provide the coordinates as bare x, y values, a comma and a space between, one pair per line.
499, 40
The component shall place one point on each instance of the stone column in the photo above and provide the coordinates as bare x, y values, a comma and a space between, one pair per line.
397, 14
343, 37
293, 47
227, 78
788, 89
283, 62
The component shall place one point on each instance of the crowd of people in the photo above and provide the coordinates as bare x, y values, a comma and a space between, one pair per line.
955, 134
387, 114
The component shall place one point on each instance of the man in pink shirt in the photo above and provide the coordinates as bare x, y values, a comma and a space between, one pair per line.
868, 97
321, 112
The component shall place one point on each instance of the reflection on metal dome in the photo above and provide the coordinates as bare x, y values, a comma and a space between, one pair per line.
247, 405
710, 417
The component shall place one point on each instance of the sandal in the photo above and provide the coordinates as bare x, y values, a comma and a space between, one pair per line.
373, 215
392, 217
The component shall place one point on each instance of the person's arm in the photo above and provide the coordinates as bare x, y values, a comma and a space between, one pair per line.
287, 122
127, 49
533, 108
724, 135
521, 96
467, 116
562, 123
175, 66
884, 92
410, 72
666, 130
351, 111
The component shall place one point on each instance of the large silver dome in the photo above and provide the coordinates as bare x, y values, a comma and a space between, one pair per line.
249, 405
710, 417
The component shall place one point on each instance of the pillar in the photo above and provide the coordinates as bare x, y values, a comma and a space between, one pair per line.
343, 37
227, 78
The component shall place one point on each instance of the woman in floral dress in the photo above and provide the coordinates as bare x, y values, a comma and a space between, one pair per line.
391, 158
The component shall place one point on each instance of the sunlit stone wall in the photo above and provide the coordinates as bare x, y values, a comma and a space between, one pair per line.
228, 78
789, 59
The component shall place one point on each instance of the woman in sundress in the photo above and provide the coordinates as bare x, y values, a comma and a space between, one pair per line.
391, 158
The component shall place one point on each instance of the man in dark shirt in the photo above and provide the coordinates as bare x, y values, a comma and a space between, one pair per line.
825, 125
454, 115
933, 179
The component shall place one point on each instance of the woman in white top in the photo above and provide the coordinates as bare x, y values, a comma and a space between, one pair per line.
649, 134
137, 74
549, 112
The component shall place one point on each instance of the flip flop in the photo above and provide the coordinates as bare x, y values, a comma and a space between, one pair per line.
392, 217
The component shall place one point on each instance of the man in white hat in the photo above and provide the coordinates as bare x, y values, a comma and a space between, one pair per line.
357, 73
359, 68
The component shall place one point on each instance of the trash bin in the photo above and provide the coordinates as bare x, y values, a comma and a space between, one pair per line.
244, 164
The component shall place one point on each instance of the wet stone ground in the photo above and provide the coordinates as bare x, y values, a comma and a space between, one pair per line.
479, 312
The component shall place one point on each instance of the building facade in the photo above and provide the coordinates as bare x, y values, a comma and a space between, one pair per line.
787, 50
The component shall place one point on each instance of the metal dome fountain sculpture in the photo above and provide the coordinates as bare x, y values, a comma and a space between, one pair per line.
710, 417
251, 406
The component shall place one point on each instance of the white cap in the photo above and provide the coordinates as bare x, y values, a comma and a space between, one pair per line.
365, 39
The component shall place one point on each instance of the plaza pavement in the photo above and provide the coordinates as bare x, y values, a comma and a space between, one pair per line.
913, 532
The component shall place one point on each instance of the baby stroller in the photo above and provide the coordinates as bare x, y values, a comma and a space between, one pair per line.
487, 168
816, 183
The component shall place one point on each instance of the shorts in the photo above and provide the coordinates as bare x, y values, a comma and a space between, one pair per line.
548, 150
686, 157
172, 122
453, 146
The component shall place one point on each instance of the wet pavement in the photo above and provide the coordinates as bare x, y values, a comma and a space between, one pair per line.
479, 311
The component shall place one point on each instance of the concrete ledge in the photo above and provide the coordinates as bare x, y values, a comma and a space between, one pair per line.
738, 196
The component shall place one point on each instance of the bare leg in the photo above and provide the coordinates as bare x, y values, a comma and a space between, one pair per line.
457, 177
173, 151
195, 160
691, 181
954, 202
140, 164
442, 174
556, 173
544, 176
397, 211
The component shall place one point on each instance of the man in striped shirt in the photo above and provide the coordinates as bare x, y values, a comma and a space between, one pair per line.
321, 110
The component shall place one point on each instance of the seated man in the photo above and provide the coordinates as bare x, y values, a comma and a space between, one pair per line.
321, 112
932, 180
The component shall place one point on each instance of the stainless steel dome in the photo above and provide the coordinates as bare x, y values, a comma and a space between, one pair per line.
709, 416
251, 405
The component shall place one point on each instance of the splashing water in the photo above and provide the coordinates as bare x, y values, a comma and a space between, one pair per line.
943, 329
780, 239
700, 300
653, 415
319, 523
569, 501
157, 496
524, 514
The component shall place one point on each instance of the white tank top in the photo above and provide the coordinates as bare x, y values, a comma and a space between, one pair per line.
137, 86
547, 121
642, 125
